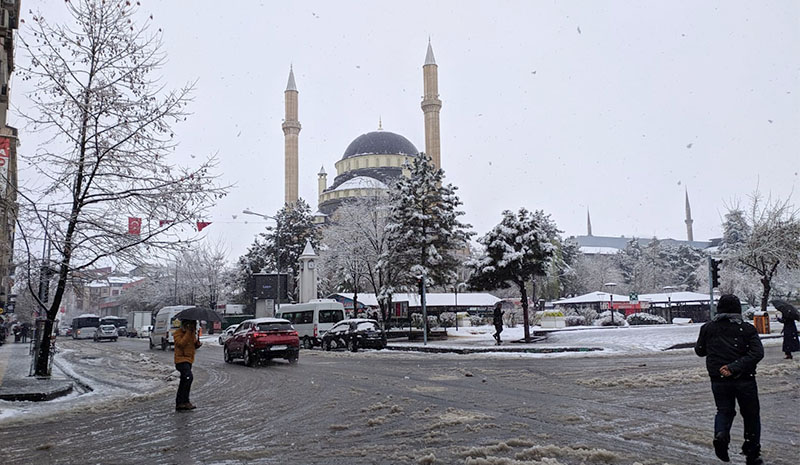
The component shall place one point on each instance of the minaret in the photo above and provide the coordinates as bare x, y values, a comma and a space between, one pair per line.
291, 131
322, 181
431, 106
588, 223
689, 220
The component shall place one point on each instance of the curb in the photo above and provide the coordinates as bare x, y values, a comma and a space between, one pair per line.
465, 351
40, 395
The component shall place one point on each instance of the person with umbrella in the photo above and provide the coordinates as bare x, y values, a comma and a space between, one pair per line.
788, 316
186, 343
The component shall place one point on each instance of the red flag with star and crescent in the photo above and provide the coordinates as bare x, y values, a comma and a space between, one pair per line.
134, 226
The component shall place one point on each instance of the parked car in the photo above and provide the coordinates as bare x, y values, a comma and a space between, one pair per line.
132, 333
312, 319
106, 332
262, 339
354, 334
145, 331
227, 334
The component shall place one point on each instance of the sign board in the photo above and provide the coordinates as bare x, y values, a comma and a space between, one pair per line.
265, 286
633, 298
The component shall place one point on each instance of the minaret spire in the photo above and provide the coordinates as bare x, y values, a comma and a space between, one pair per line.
588, 223
291, 131
431, 105
689, 220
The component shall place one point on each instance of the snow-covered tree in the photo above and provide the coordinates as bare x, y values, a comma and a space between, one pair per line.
522, 246
108, 140
424, 228
765, 238
282, 243
355, 242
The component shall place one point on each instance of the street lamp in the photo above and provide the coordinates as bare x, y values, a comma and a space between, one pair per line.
611, 299
669, 290
247, 211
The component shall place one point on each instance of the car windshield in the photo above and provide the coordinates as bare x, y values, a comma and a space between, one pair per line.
274, 327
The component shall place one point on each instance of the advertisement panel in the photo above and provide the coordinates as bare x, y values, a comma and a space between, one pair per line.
5, 153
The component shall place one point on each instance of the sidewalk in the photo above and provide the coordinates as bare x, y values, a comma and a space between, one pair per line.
16, 385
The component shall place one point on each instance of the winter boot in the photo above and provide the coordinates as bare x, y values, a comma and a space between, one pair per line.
752, 452
721, 441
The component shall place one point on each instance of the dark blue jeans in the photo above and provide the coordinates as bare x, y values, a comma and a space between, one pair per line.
185, 368
744, 391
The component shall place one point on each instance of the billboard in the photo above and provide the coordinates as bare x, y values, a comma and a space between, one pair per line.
265, 286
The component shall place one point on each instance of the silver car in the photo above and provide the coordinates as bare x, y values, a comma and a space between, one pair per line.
108, 332
227, 334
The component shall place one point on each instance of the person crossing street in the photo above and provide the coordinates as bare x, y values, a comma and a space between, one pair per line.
186, 343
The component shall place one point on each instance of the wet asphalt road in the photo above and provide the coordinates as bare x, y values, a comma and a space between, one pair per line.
393, 407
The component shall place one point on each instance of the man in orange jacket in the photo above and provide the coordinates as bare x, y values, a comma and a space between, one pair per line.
186, 343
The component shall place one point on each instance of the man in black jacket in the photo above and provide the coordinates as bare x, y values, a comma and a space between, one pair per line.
733, 349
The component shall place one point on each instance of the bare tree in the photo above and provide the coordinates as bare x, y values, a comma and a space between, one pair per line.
108, 121
768, 233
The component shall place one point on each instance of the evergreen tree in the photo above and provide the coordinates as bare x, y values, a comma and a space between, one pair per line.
424, 227
521, 247
282, 243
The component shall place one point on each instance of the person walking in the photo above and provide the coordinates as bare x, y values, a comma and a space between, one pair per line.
186, 343
497, 321
790, 341
732, 349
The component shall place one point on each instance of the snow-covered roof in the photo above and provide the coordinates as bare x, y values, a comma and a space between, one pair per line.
361, 182
435, 299
682, 296
592, 297
592, 250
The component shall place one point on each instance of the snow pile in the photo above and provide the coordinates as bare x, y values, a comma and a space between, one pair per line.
638, 319
605, 319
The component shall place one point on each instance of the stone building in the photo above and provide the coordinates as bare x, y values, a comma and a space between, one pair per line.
9, 21
373, 160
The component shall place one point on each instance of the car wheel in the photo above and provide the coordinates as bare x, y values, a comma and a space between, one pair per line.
249, 360
163, 344
114, 340
220, 340
227, 355
352, 345
326, 345
294, 358
150, 342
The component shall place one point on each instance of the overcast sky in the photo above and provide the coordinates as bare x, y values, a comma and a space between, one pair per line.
614, 106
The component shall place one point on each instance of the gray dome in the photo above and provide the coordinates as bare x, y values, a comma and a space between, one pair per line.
380, 142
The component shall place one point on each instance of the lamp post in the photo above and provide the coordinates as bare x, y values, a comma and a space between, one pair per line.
669, 290
611, 299
277, 250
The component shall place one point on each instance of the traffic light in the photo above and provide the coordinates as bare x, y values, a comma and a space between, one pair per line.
714, 264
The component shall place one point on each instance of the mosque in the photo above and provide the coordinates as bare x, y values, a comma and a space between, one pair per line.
372, 160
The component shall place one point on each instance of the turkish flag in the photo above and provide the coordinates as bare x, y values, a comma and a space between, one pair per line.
134, 226
202, 224
163, 222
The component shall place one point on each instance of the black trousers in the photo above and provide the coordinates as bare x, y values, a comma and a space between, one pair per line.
185, 368
727, 392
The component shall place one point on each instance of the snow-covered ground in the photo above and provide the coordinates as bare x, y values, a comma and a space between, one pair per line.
612, 340
102, 382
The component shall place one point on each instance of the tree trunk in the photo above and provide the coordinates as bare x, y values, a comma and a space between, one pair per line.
766, 282
525, 319
355, 301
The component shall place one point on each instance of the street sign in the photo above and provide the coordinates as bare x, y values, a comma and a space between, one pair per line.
633, 298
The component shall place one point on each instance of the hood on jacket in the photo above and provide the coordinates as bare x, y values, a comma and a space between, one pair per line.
732, 317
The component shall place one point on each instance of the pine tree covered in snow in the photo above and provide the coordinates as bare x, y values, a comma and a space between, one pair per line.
424, 227
294, 225
521, 247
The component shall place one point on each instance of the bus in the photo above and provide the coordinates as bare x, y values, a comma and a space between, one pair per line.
84, 326
120, 323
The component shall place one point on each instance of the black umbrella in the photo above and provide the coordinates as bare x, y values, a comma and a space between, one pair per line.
199, 314
787, 310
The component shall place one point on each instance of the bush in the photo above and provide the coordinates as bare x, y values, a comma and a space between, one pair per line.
637, 319
476, 320
750, 313
433, 322
416, 320
575, 320
604, 319
447, 319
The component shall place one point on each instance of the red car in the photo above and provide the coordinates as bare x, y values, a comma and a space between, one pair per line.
263, 339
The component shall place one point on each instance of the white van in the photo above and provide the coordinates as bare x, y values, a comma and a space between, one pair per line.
312, 319
161, 335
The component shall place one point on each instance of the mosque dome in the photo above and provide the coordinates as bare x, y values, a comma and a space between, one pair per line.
381, 143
